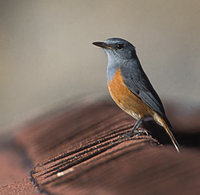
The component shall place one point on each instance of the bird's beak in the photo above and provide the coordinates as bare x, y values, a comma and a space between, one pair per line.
102, 45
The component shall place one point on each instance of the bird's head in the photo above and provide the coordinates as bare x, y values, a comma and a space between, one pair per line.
117, 48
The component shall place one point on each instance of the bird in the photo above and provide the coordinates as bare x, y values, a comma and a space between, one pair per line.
130, 87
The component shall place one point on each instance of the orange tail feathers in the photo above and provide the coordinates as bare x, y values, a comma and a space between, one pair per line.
163, 123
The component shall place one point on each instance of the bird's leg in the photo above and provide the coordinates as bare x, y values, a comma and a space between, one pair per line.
135, 129
137, 125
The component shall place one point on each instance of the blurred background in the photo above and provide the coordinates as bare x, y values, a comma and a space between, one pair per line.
47, 59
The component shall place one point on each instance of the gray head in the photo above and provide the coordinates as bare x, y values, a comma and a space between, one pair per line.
119, 52
117, 48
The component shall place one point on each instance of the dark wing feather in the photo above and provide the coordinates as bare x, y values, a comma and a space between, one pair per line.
138, 83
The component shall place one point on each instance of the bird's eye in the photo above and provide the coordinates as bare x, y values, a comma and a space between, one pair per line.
119, 46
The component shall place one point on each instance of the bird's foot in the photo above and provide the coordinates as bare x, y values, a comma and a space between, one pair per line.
137, 132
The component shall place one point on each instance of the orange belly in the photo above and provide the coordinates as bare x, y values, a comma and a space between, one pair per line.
126, 100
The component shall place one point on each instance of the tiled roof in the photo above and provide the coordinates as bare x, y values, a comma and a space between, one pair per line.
85, 150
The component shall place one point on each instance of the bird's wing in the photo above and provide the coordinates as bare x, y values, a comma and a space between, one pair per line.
138, 83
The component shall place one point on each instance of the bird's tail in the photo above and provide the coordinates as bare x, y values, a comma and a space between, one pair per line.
166, 125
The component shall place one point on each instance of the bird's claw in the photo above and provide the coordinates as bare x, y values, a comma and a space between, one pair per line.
136, 133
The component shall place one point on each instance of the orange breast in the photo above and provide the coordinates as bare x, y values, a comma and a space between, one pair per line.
125, 99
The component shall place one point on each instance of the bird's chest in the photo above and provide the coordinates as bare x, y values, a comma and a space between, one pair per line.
124, 98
